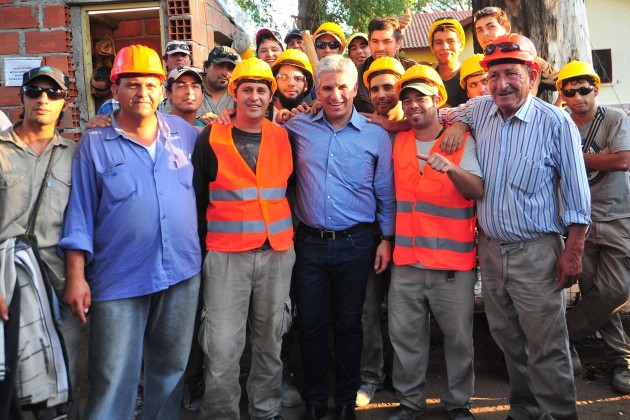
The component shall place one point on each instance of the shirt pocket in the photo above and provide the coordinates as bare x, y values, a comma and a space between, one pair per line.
13, 195
118, 184
184, 170
58, 189
528, 175
357, 171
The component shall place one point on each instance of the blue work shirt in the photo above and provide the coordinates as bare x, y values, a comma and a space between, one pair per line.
135, 219
345, 176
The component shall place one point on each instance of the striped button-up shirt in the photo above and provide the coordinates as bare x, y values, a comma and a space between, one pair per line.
534, 175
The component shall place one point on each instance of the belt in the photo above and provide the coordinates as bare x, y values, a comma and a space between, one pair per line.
264, 247
334, 234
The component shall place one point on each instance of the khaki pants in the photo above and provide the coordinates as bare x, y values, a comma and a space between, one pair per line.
526, 315
242, 287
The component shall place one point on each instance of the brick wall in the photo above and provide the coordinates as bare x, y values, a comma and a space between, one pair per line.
37, 29
195, 21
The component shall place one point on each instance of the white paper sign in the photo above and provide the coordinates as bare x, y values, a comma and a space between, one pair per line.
15, 67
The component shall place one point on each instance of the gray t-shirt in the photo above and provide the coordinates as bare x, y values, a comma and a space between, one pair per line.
610, 191
469, 162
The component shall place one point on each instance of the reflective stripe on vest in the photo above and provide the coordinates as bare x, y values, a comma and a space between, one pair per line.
435, 224
247, 194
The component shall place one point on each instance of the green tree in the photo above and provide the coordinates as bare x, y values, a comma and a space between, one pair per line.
427, 6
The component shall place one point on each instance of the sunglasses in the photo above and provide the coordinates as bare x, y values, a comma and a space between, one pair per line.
224, 54
333, 45
296, 77
173, 47
504, 47
583, 91
35, 92
104, 90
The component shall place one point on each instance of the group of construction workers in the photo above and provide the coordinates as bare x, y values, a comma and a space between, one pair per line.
210, 207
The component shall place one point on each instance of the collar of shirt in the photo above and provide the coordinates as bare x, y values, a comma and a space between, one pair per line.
12, 137
164, 130
356, 120
524, 113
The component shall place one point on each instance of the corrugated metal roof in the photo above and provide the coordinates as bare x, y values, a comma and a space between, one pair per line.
417, 31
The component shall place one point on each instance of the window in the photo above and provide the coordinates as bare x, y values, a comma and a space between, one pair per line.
602, 63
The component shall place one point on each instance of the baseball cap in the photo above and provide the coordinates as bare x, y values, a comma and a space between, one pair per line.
426, 88
223, 54
270, 34
177, 47
53, 73
177, 73
293, 33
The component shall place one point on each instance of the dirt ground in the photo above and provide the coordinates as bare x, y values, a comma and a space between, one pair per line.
596, 397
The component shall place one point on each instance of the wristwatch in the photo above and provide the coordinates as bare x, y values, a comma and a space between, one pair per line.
388, 238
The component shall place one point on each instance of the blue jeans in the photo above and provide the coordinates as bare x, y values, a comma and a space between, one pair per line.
332, 270
156, 328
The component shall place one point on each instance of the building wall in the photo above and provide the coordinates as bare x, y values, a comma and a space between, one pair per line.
608, 28
37, 28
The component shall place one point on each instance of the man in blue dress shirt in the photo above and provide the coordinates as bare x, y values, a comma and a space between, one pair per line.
131, 231
344, 184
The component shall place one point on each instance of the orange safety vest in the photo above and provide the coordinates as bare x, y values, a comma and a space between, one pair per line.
247, 208
435, 224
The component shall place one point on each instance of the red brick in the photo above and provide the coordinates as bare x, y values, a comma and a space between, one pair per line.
98, 31
149, 41
55, 16
14, 114
9, 96
121, 43
152, 26
9, 43
62, 62
47, 41
129, 28
18, 17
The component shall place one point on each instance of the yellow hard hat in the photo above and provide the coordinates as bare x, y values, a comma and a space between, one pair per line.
248, 53
296, 58
470, 67
252, 68
575, 69
137, 59
333, 29
383, 65
447, 21
426, 76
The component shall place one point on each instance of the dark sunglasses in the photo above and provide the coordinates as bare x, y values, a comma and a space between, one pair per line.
35, 92
99, 89
583, 91
333, 45
177, 47
504, 47
225, 54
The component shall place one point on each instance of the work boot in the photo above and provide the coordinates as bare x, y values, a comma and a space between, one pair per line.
365, 394
460, 414
621, 379
290, 395
402, 412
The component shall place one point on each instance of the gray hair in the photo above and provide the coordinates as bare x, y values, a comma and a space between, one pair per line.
336, 63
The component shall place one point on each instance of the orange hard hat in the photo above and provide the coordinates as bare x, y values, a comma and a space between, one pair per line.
137, 59
508, 46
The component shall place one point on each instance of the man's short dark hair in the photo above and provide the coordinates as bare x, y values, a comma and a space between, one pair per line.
102, 75
385, 24
578, 79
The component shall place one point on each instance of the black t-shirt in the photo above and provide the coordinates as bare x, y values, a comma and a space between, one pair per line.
456, 95
206, 165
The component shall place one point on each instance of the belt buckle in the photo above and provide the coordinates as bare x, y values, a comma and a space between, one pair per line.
327, 234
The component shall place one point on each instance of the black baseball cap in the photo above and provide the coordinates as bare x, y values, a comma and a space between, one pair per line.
52, 73
293, 33
223, 54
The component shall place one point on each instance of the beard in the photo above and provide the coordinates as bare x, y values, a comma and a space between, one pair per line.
290, 103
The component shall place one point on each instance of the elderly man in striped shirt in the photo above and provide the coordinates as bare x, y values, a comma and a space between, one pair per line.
536, 191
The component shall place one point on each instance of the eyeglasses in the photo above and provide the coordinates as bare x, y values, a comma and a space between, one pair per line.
583, 91
100, 90
504, 47
296, 77
333, 45
35, 92
173, 47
